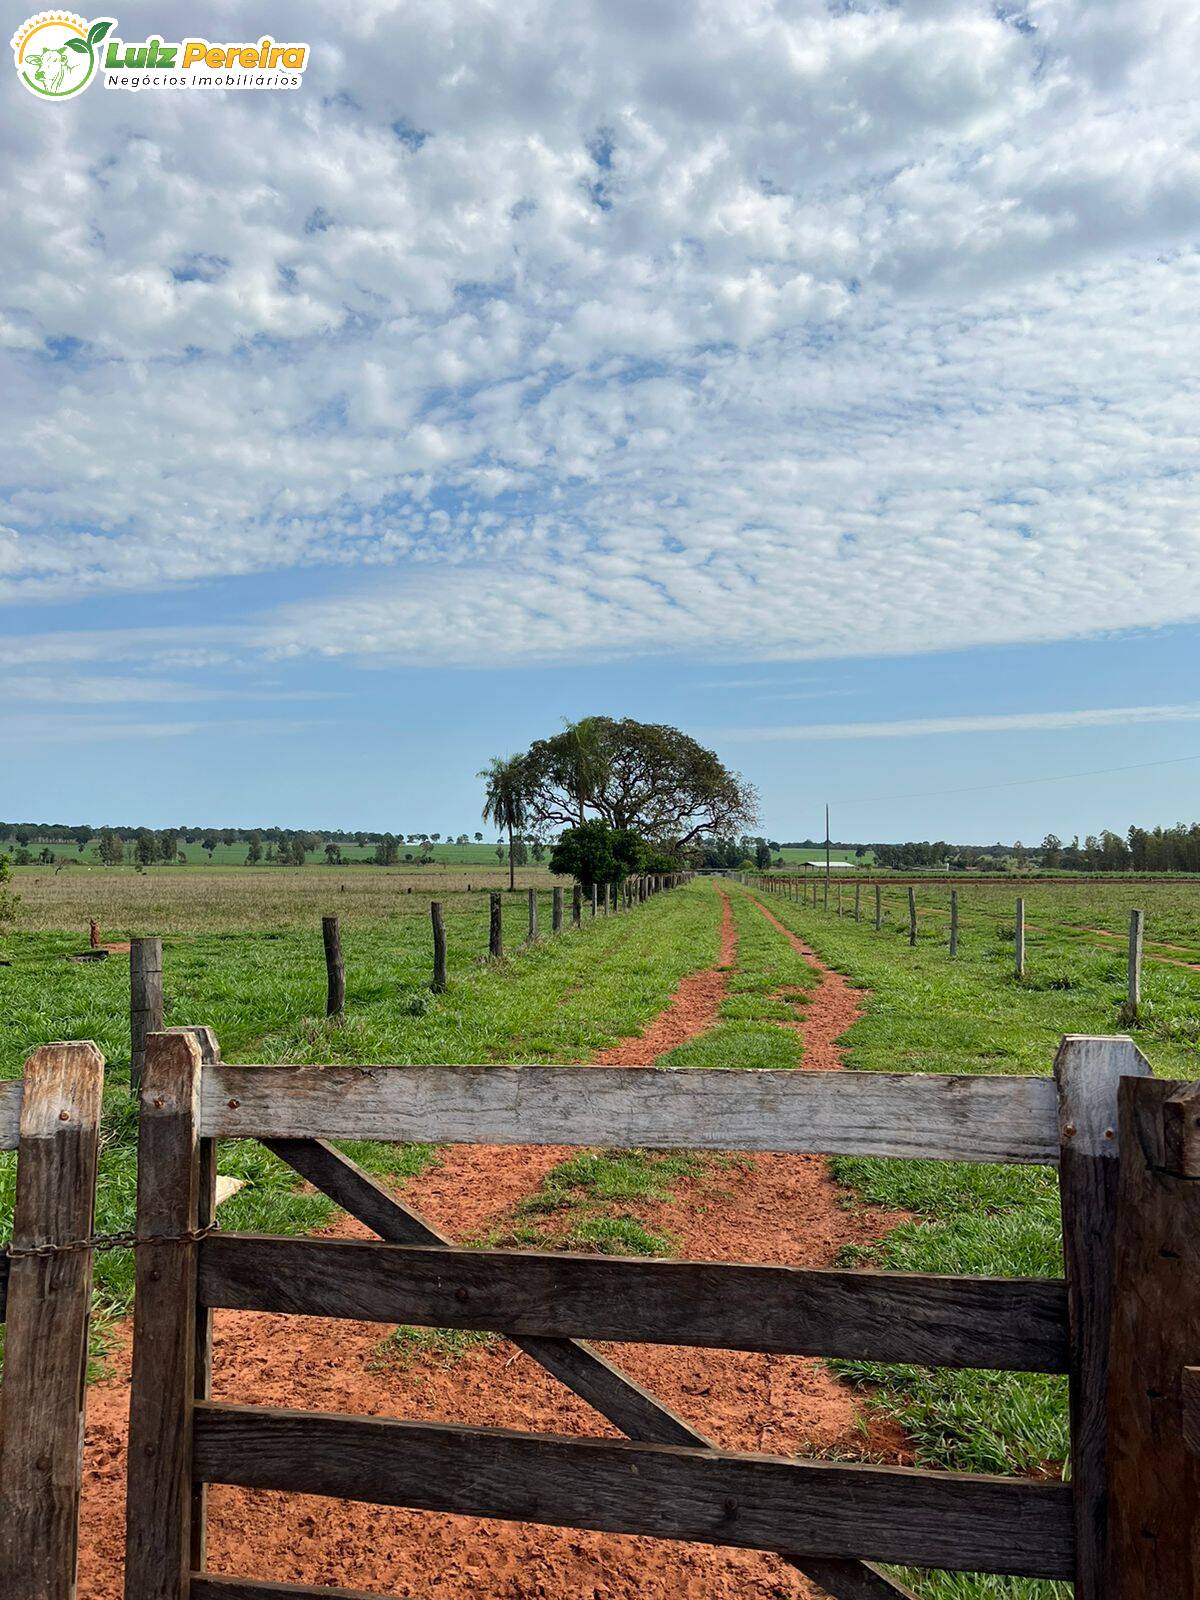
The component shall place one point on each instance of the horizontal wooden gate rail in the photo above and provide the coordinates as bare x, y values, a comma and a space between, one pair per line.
51, 1118
665, 1480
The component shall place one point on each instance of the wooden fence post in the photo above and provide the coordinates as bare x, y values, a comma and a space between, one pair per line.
556, 910
1153, 1475
1137, 924
839, 897
825, 897
145, 1001
439, 946
1019, 931
912, 915
335, 970
576, 905
495, 926
49, 1298
878, 908
532, 936
954, 922
158, 1516
858, 902
1088, 1073
595, 900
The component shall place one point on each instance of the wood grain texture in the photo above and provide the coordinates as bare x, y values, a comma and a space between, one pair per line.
48, 1306
1181, 1133
1018, 1324
1153, 1475
159, 1497
1088, 1071
583, 1370
1006, 1119
11, 1092
949, 1520
1190, 1400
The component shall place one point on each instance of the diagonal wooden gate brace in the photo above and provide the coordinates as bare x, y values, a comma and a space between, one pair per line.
603, 1386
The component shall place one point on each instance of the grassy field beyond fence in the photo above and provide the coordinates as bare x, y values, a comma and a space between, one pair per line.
927, 1013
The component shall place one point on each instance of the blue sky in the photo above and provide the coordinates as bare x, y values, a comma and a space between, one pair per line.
819, 378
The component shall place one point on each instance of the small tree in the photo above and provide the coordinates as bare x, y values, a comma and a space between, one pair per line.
333, 854
594, 853
254, 851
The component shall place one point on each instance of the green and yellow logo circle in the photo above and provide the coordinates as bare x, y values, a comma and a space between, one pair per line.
55, 53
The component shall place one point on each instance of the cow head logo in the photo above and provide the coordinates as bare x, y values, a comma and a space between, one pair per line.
56, 53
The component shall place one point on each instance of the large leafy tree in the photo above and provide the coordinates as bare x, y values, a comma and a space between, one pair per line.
645, 777
504, 801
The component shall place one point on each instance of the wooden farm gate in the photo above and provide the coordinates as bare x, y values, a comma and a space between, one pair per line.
1124, 1528
51, 1118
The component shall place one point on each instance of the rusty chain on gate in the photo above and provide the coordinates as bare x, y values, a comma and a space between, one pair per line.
106, 1241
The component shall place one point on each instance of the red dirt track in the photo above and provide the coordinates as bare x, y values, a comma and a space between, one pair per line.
770, 1209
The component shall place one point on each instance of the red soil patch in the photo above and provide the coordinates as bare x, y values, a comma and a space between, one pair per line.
774, 1208
693, 1008
833, 1007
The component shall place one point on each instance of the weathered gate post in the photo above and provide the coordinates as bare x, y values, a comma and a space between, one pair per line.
158, 1518
533, 923
576, 905
1088, 1072
1153, 1475
556, 910
41, 1450
495, 926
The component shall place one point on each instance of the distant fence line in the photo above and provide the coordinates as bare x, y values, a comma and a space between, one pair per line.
604, 900
797, 888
